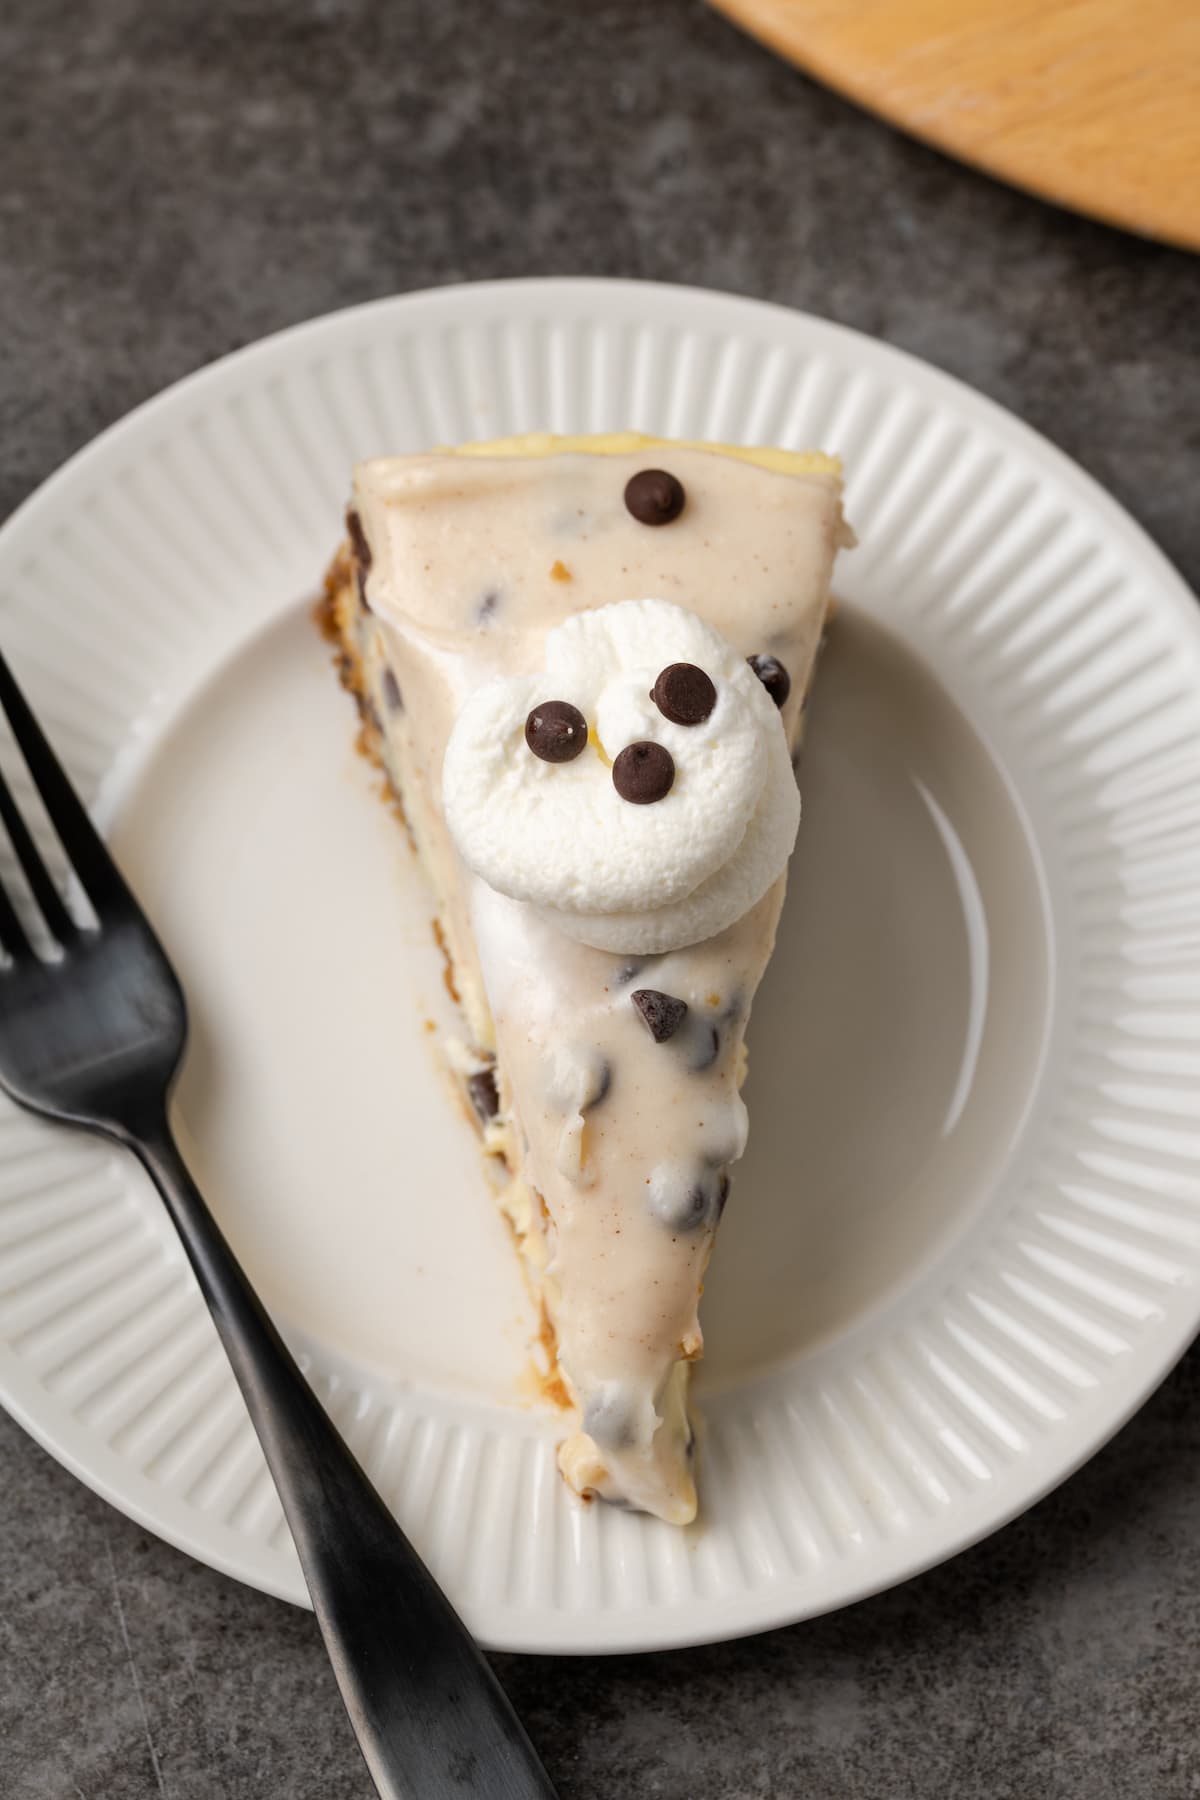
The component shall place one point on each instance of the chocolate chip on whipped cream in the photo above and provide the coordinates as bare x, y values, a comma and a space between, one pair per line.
684, 694
644, 773
581, 840
556, 731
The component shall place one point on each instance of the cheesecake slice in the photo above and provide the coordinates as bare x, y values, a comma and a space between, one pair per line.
582, 664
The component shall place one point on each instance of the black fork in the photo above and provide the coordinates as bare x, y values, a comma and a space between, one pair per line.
93, 1034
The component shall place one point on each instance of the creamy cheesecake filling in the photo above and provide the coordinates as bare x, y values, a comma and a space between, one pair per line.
629, 1140
617, 1075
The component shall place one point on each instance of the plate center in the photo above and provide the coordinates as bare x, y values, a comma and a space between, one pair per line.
896, 1039
314, 1106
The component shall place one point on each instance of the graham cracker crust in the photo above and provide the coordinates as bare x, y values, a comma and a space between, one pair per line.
335, 614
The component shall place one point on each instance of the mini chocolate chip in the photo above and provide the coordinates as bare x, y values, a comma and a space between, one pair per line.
654, 497
556, 731
358, 538
773, 675
391, 692
695, 1209
484, 1095
610, 1419
684, 694
486, 610
602, 1087
579, 1079
663, 1013
724, 1149
706, 1049
685, 1205
643, 773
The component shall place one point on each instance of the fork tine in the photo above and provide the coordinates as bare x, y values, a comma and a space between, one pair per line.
80, 839
12, 932
37, 875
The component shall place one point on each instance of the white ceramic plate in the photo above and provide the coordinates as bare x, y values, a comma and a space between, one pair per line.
966, 1242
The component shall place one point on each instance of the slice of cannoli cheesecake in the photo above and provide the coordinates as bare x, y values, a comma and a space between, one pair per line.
582, 664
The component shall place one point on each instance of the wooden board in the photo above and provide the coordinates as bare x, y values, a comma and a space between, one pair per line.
1094, 104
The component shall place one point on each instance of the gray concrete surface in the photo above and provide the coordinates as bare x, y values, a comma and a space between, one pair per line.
178, 177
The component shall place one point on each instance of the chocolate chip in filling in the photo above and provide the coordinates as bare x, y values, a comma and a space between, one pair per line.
610, 1418
393, 698
686, 1203
684, 694
773, 675
643, 773
358, 539
601, 1086
663, 1014
556, 731
705, 1047
484, 1095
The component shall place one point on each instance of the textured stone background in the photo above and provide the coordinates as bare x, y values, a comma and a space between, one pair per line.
178, 177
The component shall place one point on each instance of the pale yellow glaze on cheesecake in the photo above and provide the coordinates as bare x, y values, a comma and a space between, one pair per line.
633, 443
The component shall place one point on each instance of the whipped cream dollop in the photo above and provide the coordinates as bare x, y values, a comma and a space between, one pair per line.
560, 836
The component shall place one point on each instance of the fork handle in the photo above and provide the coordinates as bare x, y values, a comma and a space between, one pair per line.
431, 1718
